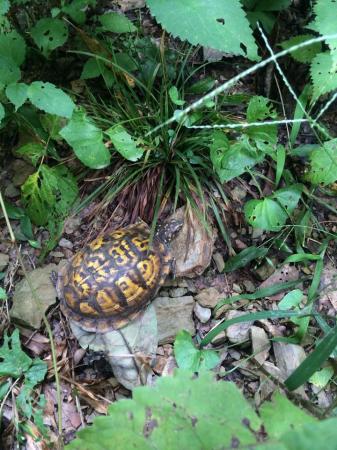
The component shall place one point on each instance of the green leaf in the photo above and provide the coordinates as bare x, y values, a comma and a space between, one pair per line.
190, 358
231, 160
272, 5
293, 298
207, 23
50, 99
4, 7
3, 295
323, 164
323, 75
92, 68
17, 93
304, 54
289, 197
174, 96
13, 46
49, 34
13, 361
266, 214
87, 141
179, 412
33, 151
77, 10
13, 211
314, 361
4, 387
245, 257
322, 377
2, 112
49, 192
319, 436
280, 416
9, 72
124, 143
116, 23
260, 109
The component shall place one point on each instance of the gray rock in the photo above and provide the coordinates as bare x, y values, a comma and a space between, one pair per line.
178, 292
11, 191
239, 332
219, 261
173, 315
4, 260
21, 170
66, 243
208, 297
203, 314
249, 285
260, 344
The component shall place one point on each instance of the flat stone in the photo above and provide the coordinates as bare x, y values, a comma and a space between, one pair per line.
239, 332
174, 315
219, 261
260, 344
4, 260
220, 338
208, 297
178, 292
249, 285
203, 314
66, 243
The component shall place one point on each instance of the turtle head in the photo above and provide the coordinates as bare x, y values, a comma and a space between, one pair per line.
168, 230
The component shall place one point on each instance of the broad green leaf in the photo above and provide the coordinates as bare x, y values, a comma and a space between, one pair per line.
231, 160
49, 193
280, 416
125, 61
266, 214
17, 93
116, 23
174, 96
324, 23
13, 46
4, 387
323, 164
289, 197
13, 361
94, 68
319, 436
52, 124
77, 10
300, 257
322, 377
124, 143
3, 295
33, 151
304, 54
2, 112
87, 141
212, 24
323, 75
13, 212
314, 361
188, 357
272, 5
180, 412
9, 72
50, 99
265, 136
49, 34
4, 7
245, 257
202, 86
293, 298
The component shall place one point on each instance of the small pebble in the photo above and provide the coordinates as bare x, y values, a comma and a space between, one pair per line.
202, 314
219, 261
249, 285
66, 243
178, 292
237, 288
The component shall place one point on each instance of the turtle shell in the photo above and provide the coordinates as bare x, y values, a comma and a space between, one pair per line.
112, 280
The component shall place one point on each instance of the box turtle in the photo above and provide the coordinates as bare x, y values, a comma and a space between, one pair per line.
111, 280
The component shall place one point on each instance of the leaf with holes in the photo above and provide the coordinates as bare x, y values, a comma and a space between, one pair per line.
48, 34
265, 136
304, 54
33, 151
323, 164
9, 72
50, 99
13, 46
289, 197
124, 143
267, 214
87, 141
17, 93
116, 23
212, 24
323, 75
189, 357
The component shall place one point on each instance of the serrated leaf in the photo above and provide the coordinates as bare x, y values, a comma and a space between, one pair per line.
33, 151
116, 23
323, 75
17, 93
212, 24
179, 412
87, 141
50, 99
124, 143
2, 112
265, 136
13, 46
304, 54
266, 214
49, 193
323, 164
48, 34
188, 357
243, 258
324, 23
9, 72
